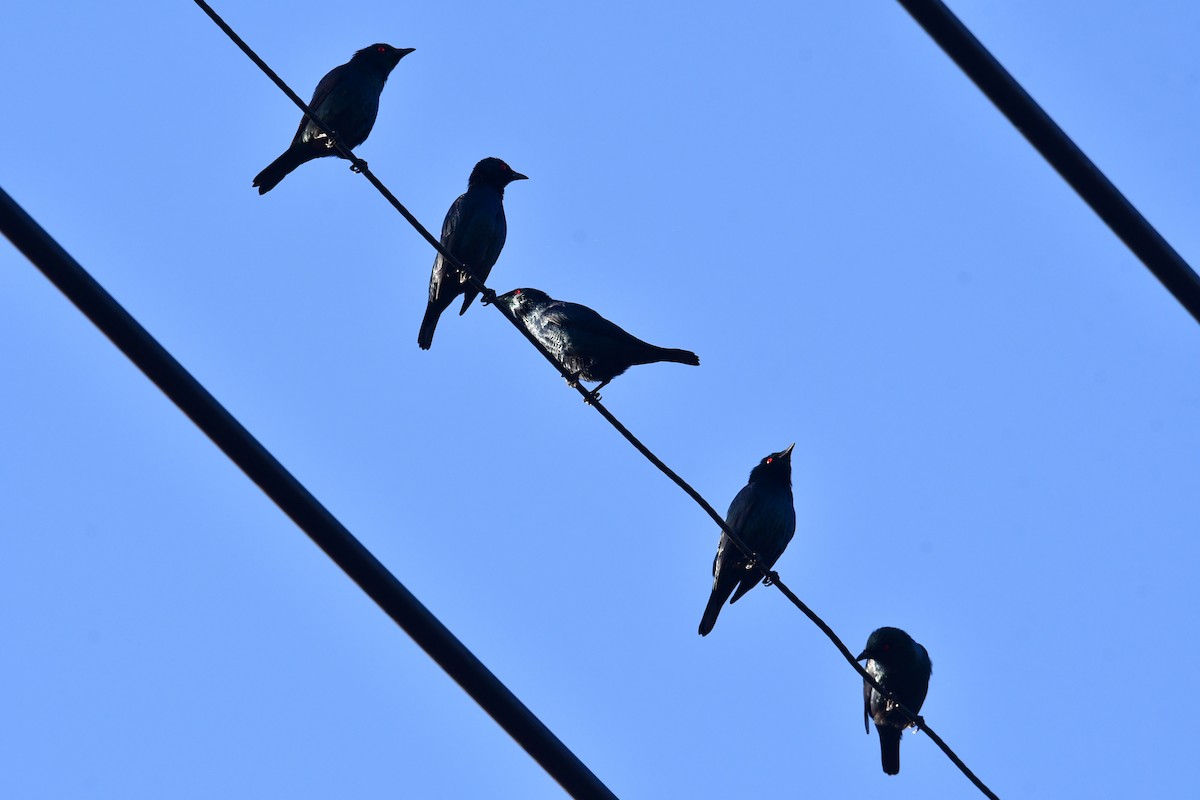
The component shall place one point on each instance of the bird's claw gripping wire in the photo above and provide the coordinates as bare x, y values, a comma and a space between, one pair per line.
358, 166
487, 297
770, 578
594, 395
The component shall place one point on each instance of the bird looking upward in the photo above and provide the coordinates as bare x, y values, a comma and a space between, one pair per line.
473, 232
763, 517
347, 102
901, 666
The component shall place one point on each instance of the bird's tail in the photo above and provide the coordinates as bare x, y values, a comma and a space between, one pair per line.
720, 594
428, 324
677, 356
278, 169
889, 748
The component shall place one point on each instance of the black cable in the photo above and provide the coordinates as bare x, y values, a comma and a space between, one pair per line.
489, 297
1056, 147
296, 501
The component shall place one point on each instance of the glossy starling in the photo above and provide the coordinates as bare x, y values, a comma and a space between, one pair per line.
763, 517
347, 101
901, 666
586, 344
474, 233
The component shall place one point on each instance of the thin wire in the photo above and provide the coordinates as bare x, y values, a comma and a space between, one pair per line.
1057, 148
489, 298
298, 503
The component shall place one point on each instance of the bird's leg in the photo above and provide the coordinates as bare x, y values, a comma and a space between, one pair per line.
572, 379
594, 395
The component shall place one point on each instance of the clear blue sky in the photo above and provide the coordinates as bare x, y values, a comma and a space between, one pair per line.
996, 407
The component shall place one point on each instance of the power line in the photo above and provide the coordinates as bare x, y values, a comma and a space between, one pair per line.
1056, 147
298, 503
489, 298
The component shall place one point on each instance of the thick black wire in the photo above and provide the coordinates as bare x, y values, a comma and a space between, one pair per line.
298, 503
489, 297
1057, 148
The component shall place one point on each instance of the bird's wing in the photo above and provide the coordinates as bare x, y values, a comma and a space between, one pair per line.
581, 319
741, 510
449, 226
451, 223
867, 707
320, 95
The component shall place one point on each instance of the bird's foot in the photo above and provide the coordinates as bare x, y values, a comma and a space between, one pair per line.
592, 397
358, 166
572, 379
770, 578
487, 297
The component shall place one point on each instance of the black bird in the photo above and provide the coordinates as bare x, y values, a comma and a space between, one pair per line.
473, 231
763, 517
901, 666
347, 101
586, 344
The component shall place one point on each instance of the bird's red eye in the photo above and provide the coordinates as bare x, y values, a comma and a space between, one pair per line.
887, 647
381, 49
769, 459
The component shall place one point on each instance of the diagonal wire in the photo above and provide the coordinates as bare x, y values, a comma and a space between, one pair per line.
489, 298
1057, 148
295, 500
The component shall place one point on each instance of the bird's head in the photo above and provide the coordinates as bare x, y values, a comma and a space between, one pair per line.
777, 467
519, 301
382, 55
886, 644
494, 172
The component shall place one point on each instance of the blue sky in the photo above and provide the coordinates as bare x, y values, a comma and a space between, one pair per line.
996, 407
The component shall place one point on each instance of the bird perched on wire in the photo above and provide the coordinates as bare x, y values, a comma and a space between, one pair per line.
346, 101
763, 517
473, 231
901, 666
587, 345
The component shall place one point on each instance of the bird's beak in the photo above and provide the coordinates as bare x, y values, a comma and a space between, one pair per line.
516, 176
861, 656
788, 452
403, 51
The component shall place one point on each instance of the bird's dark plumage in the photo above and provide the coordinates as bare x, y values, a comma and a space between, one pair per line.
764, 518
585, 343
347, 101
474, 233
901, 666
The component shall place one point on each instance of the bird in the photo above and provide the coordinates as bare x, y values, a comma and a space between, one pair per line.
346, 101
901, 666
473, 231
588, 346
763, 517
